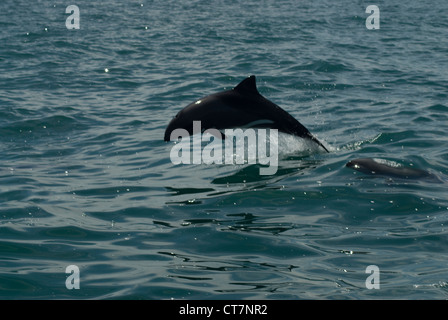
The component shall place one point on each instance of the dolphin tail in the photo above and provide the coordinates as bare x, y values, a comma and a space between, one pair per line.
313, 138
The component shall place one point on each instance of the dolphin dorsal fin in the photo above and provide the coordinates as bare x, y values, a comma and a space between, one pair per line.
247, 86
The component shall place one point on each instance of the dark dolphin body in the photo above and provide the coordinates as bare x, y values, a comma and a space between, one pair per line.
240, 107
370, 166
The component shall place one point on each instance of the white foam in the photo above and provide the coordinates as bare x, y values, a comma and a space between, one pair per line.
389, 163
285, 145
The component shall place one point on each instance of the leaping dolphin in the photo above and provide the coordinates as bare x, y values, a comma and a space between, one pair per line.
240, 107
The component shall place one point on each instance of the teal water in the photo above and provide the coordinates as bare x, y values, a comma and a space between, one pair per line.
86, 178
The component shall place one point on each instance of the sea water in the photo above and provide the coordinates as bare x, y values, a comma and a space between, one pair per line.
91, 206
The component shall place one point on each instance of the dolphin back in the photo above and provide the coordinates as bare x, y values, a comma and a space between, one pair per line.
384, 168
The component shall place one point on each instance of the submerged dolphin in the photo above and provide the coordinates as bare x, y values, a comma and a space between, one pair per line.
242, 106
378, 167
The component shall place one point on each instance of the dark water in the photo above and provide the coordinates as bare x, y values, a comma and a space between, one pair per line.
86, 178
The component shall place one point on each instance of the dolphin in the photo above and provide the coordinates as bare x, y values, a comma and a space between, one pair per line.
240, 107
382, 168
